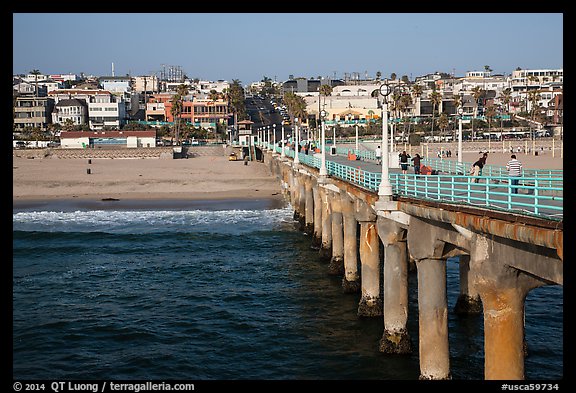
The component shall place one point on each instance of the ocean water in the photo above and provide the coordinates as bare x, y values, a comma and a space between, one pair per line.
215, 291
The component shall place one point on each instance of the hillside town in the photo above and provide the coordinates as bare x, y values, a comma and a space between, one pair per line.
169, 108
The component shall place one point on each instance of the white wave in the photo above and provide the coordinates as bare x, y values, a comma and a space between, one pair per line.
147, 221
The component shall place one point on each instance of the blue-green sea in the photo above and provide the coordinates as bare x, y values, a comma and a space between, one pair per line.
215, 290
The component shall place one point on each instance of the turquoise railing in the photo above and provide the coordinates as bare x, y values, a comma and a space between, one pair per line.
534, 198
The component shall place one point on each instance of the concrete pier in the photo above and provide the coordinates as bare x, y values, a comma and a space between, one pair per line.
370, 302
395, 338
351, 279
500, 261
336, 266
326, 245
309, 204
317, 234
468, 301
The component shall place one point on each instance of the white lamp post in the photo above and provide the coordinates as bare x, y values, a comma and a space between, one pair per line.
323, 171
268, 138
296, 142
356, 137
283, 153
274, 137
460, 113
385, 188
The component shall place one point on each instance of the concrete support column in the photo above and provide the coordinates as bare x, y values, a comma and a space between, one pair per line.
503, 290
395, 339
428, 250
293, 190
309, 204
469, 299
433, 319
326, 246
370, 302
503, 333
317, 237
301, 201
336, 266
351, 279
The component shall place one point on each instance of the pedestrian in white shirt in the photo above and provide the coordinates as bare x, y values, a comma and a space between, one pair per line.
514, 168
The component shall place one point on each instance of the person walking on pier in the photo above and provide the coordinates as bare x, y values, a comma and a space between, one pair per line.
514, 168
404, 161
477, 167
416, 160
379, 155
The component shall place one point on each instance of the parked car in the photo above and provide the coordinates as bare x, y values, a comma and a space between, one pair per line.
232, 157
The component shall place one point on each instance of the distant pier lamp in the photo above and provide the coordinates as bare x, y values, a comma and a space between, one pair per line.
385, 188
460, 114
323, 171
274, 138
297, 142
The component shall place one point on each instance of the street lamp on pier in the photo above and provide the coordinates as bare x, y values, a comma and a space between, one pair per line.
323, 171
385, 188
296, 142
460, 113
274, 138
283, 153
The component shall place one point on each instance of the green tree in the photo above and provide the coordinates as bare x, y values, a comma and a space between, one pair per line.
393, 76
477, 93
176, 110
378, 75
236, 101
68, 125
443, 122
490, 115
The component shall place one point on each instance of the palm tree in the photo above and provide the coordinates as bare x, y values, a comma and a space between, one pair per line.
36, 73
506, 98
176, 110
404, 106
435, 99
477, 92
443, 122
533, 97
378, 75
490, 115
213, 95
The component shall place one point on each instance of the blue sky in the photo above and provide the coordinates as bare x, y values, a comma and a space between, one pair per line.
249, 46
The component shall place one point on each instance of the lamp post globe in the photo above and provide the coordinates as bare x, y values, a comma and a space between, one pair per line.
460, 113
385, 188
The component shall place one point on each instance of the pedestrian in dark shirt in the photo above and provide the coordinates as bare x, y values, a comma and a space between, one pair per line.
404, 161
416, 160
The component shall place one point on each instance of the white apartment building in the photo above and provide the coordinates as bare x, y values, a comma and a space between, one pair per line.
146, 83
70, 109
106, 114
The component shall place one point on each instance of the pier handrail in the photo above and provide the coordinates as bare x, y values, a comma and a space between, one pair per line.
538, 196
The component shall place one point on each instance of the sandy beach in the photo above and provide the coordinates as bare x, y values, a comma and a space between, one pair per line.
193, 179
198, 178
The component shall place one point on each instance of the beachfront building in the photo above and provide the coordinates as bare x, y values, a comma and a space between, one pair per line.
104, 108
22, 88
145, 84
104, 139
343, 110
70, 110
32, 112
209, 113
